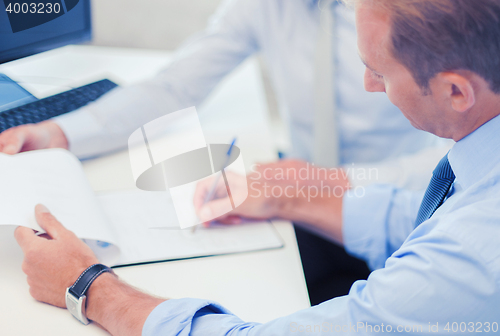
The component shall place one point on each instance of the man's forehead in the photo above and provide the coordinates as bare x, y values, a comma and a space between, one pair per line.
372, 20
373, 28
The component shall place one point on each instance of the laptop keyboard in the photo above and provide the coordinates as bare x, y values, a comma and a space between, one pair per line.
54, 106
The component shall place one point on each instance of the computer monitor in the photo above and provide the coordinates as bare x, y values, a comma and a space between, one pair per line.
28, 27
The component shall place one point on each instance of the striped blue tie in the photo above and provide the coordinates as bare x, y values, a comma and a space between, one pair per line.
442, 179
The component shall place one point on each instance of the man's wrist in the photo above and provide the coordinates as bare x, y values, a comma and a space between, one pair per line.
288, 207
58, 138
323, 213
98, 293
118, 307
312, 195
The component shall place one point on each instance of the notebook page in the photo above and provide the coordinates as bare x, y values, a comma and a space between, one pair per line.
148, 230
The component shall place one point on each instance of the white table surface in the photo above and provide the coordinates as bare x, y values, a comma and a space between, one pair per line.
257, 286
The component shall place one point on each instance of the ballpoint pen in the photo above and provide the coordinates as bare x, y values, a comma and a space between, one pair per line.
213, 188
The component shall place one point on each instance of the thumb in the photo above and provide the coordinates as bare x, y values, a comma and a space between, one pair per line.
217, 208
48, 222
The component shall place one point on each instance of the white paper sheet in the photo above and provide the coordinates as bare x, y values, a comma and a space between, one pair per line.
147, 229
54, 178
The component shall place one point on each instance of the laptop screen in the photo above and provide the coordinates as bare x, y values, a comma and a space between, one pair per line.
32, 26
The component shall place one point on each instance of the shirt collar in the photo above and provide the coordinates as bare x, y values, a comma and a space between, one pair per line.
477, 154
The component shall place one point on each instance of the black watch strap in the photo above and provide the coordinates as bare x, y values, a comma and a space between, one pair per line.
83, 282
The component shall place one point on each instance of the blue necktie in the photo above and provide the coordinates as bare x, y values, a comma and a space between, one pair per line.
442, 179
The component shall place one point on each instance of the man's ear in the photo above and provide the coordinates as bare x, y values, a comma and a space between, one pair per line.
458, 90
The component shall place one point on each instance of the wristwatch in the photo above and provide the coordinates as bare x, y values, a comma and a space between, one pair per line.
75, 295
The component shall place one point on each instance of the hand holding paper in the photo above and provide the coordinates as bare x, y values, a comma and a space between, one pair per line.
54, 262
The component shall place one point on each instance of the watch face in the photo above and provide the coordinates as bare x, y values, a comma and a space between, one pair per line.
71, 304
76, 306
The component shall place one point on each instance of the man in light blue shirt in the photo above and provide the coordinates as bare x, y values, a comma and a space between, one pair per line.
437, 275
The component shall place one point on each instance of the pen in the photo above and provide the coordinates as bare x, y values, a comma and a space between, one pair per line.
213, 188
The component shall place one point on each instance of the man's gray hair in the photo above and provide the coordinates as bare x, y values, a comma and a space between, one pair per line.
433, 36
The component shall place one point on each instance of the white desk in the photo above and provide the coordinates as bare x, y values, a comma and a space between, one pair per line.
257, 286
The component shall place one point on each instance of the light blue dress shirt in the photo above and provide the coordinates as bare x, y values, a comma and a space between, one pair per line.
441, 277
284, 32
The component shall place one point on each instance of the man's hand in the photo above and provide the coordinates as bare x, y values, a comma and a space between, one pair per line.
54, 260
23, 138
289, 189
254, 207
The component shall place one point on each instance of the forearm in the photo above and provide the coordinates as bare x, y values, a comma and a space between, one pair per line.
118, 307
106, 125
324, 214
196, 69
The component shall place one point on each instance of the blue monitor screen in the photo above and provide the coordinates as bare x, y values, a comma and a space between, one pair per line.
31, 26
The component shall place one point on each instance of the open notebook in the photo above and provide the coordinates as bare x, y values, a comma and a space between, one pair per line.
122, 228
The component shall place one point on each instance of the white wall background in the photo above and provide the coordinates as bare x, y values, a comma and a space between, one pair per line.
153, 24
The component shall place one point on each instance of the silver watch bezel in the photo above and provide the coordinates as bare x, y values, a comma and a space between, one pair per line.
76, 306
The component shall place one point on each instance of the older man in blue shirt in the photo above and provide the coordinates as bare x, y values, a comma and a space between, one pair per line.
437, 264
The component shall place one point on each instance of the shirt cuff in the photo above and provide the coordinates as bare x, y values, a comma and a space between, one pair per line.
365, 212
79, 127
175, 317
